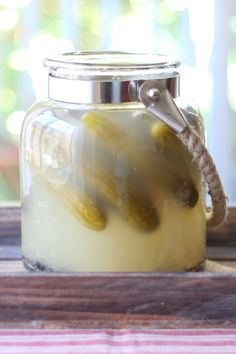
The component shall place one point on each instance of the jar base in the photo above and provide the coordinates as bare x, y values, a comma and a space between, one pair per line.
200, 267
33, 266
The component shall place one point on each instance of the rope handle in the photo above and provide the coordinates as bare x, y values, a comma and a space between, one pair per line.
218, 212
157, 99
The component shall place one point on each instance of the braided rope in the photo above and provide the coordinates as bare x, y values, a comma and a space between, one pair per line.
217, 214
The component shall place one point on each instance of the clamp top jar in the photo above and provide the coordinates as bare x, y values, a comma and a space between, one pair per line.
106, 184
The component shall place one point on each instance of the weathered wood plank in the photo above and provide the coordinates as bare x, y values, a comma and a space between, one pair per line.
221, 253
10, 226
224, 235
118, 300
120, 322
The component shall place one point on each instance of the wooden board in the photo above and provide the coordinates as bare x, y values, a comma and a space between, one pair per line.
121, 300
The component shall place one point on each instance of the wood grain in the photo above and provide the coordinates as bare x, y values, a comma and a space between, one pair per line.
221, 253
224, 235
10, 230
118, 300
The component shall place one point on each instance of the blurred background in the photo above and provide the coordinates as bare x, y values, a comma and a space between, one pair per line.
200, 33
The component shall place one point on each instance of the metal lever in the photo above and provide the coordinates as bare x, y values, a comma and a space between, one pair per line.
158, 100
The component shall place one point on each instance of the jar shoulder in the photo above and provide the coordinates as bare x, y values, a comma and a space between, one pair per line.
73, 112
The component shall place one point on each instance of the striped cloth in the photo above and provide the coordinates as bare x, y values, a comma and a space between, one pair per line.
212, 341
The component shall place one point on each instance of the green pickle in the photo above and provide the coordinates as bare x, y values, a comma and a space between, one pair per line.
101, 126
135, 208
133, 205
173, 151
82, 207
114, 139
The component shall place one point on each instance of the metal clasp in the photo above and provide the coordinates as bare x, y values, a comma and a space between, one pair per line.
158, 100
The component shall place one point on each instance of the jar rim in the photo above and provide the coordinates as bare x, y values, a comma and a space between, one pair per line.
110, 65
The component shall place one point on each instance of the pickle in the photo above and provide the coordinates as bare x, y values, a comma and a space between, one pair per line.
168, 142
186, 193
135, 208
102, 127
118, 144
112, 138
81, 206
171, 147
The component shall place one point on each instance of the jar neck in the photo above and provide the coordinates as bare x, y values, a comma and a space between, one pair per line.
100, 92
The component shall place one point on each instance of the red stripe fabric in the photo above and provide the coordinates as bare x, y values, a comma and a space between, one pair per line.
208, 341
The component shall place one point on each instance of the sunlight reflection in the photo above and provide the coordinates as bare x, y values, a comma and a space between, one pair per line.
14, 122
8, 19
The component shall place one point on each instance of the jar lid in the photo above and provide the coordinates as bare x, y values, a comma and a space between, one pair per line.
107, 76
110, 65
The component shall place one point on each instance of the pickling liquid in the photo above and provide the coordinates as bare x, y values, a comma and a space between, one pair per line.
110, 191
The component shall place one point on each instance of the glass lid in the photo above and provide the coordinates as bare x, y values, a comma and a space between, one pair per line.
110, 65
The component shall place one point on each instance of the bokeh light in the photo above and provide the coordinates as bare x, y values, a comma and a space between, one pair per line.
51, 7
7, 99
14, 122
19, 59
14, 3
177, 5
8, 19
56, 27
141, 7
135, 30
165, 15
41, 46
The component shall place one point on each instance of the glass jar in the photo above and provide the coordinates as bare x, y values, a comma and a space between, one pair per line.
106, 185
